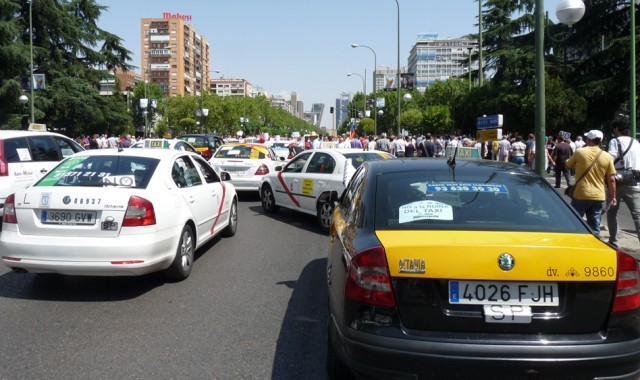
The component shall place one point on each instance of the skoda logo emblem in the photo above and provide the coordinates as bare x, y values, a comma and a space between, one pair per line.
506, 261
66, 200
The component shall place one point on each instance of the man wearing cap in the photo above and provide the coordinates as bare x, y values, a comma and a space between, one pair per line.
626, 155
590, 193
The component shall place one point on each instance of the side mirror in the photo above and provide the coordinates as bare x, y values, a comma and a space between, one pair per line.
279, 168
225, 176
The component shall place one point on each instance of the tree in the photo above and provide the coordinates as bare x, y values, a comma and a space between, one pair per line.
72, 52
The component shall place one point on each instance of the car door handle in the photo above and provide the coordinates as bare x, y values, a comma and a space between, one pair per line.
191, 199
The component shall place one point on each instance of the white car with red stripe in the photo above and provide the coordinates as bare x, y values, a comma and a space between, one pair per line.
118, 212
312, 181
246, 163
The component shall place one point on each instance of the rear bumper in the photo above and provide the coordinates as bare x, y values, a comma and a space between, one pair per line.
246, 184
375, 357
138, 254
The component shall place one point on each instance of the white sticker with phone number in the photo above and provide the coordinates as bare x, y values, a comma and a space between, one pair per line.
466, 188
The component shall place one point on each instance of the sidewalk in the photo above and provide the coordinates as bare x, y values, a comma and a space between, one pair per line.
628, 242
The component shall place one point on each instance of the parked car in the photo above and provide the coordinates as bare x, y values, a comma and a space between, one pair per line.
245, 163
474, 270
204, 143
174, 144
110, 213
25, 156
312, 181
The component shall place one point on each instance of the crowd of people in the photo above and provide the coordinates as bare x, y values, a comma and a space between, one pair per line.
101, 141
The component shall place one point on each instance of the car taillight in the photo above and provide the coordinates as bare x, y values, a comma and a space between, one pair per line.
262, 170
628, 284
10, 210
206, 154
368, 280
140, 212
4, 164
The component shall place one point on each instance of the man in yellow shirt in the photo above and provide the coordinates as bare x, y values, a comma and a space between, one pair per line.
590, 194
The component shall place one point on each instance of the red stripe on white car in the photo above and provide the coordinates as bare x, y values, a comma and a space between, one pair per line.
293, 199
224, 191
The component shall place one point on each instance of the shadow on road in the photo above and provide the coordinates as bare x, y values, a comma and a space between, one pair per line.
300, 350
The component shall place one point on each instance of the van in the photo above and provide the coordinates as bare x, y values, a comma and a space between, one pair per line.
26, 156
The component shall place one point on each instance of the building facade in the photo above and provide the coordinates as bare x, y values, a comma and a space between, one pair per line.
174, 56
433, 58
232, 87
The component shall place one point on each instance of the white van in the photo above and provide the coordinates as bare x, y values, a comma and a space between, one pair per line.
25, 156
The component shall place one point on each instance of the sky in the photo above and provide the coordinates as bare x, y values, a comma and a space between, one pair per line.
301, 46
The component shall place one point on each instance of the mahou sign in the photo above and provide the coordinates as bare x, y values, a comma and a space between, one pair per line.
176, 15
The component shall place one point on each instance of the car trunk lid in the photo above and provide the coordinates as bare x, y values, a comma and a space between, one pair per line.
501, 281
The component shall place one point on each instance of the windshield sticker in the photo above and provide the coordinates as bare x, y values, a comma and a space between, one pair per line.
24, 154
458, 187
61, 171
120, 180
425, 210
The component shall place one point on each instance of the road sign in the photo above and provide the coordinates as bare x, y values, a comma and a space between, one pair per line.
488, 122
489, 134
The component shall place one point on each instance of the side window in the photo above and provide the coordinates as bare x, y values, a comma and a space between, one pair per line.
321, 163
207, 171
184, 173
43, 148
17, 150
67, 147
351, 197
296, 165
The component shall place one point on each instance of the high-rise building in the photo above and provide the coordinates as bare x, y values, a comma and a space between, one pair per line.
174, 56
433, 58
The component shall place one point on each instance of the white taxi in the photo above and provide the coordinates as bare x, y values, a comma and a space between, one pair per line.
111, 212
174, 144
246, 163
312, 181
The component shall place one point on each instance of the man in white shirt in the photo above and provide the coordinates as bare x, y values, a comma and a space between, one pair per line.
579, 143
504, 148
626, 155
398, 146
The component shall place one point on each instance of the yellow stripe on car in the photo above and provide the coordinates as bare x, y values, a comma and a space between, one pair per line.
474, 255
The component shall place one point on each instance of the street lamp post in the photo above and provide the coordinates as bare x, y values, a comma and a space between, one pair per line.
398, 73
33, 120
375, 94
632, 69
566, 10
364, 93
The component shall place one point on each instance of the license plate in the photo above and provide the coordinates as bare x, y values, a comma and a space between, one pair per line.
68, 217
507, 314
503, 293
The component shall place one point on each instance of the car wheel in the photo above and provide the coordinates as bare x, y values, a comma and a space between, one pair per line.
268, 201
180, 269
336, 369
231, 228
325, 215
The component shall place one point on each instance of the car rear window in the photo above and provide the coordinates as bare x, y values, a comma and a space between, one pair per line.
501, 202
359, 157
240, 152
196, 141
117, 171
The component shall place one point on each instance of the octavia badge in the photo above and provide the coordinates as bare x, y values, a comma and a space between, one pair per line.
506, 261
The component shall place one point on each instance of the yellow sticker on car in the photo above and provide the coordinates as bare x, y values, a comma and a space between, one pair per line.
307, 186
491, 255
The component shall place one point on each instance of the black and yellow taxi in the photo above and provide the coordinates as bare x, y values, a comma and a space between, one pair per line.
474, 269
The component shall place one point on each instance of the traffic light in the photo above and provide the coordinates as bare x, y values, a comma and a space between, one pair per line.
330, 109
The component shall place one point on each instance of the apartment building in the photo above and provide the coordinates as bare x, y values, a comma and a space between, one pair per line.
433, 58
174, 56
232, 87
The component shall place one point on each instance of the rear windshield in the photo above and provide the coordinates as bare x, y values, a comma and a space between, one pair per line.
98, 171
200, 141
500, 202
358, 157
240, 152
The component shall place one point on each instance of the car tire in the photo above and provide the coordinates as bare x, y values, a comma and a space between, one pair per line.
231, 228
325, 215
268, 200
181, 266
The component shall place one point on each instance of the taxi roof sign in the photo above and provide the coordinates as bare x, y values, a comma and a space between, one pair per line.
156, 143
38, 127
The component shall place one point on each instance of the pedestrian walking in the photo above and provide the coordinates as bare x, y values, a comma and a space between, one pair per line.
561, 153
518, 152
504, 148
625, 152
598, 184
